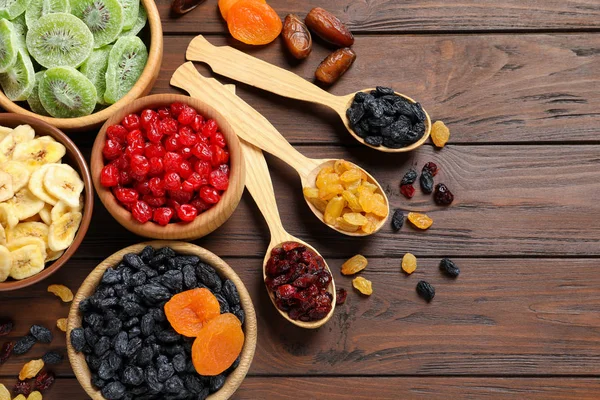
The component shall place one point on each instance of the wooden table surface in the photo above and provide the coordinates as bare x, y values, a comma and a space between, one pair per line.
517, 82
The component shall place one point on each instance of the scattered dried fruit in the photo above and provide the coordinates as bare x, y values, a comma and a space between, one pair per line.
449, 267
31, 369
218, 344
440, 134
65, 294
180, 7
409, 178
431, 167
4, 393
6, 351
20, 397
397, 220
426, 182
253, 22
5, 328
329, 27
62, 324
35, 396
362, 285
340, 296
354, 265
52, 358
296, 37
24, 344
41, 334
188, 311
420, 221
425, 290
22, 387
409, 263
44, 380
335, 65
442, 195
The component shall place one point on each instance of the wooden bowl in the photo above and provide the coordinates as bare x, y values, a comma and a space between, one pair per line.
72, 157
88, 286
204, 223
141, 88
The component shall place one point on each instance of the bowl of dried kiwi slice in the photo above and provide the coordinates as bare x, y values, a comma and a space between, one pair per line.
73, 63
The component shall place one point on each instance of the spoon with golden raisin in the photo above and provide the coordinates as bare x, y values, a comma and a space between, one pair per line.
330, 177
234, 64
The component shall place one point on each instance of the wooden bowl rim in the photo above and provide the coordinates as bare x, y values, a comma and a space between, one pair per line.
45, 129
206, 222
141, 88
234, 380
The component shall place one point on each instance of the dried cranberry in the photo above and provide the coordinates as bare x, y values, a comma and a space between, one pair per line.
139, 165
187, 212
219, 180
109, 176
442, 195
180, 196
141, 211
431, 167
408, 191
44, 380
121, 163
203, 168
126, 195
163, 215
340, 296
157, 186
210, 128
209, 194
200, 204
131, 122
6, 351
112, 149
22, 387
117, 133
186, 116
186, 153
218, 139
148, 117
125, 178
187, 137
135, 137
172, 181
142, 187
134, 148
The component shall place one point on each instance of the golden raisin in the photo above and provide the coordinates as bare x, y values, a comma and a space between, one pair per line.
310, 193
334, 209
354, 265
355, 219
20, 397
4, 393
35, 396
351, 175
341, 224
421, 221
31, 369
327, 179
409, 263
62, 324
440, 134
352, 201
363, 285
319, 204
341, 166
372, 223
61, 291
330, 191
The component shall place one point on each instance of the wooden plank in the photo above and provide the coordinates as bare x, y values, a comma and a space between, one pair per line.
510, 200
488, 89
500, 317
415, 16
430, 388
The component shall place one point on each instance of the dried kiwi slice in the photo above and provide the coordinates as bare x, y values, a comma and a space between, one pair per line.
39, 8
67, 93
130, 12
20, 30
94, 68
8, 45
59, 39
11, 9
139, 23
104, 18
34, 99
19, 80
126, 63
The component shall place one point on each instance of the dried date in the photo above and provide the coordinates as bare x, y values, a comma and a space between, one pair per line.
335, 65
329, 27
296, 37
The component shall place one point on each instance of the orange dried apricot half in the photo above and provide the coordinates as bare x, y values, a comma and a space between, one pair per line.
253, 22
217, 345
225, 6
188, 311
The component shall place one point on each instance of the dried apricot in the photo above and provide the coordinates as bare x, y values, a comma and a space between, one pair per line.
188, 311
421, 221
354, 265
218, 345
62, 324
440, 134
363, 285
409, 263
253, 22
31, 369
61, 291
225, 5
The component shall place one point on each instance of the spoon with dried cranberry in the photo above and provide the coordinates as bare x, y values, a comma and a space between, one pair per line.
251, 126
407, 125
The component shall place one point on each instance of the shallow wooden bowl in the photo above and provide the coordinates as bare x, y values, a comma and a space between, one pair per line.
204, 223
141, 88
72, 157
88, 286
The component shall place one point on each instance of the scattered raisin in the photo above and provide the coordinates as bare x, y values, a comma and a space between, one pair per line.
420, 221
31, 369
431, 167
340, 296
363, 285
5, 328
440, 134
24, 344
409, 263
6, 351
62, 324
65, 294
41, 334
409, 178
426, 182
44, 380
354, 265
52, 357
397, 220
22, 387
408, 191
449, 267
442, 195
425, 290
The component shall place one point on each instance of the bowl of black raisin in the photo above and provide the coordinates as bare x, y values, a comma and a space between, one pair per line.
119, 341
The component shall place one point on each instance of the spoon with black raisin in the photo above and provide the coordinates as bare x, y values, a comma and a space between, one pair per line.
251, 126
379, 118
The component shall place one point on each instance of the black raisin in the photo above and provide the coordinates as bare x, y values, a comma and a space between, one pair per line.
102, 346
77, 339
397, 220
52, 357
230, 292
208, 276
133, 375
158, 260
155, 293
167, 251
173, 280
189, 277
174, 384
41, 334
382, 90
425, 290
409, 178
97, 381
442, 195
374, 140
240, 314
147, 325
132, 309
168, 336
164, 368
151, 377
355, 113
426, 182
193, 384
223, 303
114, 360
216, 382
5, 327
133, 346
113, 391
111, 277
137, 279
112, 326
179, 362
145, 356
120, 343
449, 267
93, 362
105, 371
90, 337
134, 261
147, 254
130, 322
134, 332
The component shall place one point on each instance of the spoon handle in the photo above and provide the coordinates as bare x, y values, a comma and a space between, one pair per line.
248, 123
242, 67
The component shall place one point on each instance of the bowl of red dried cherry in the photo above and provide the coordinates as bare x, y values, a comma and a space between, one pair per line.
168, 167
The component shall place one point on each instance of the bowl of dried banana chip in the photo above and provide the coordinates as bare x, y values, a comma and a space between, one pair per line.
46, 200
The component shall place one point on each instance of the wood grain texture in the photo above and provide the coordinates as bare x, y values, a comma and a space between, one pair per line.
488, 89
415, 16
499, 317
510, 201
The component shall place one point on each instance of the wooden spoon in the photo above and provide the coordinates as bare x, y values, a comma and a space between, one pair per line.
242, 67
251, 126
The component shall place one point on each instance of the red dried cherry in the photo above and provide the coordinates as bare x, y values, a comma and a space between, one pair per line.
202, 151
168, 126
163, 112
156, 166
209, 128
155, 201
209, 194
126, 195
139, 165
125, 178
203, 168
224, 168
172, 181
187, 137
218, 139
157, 186
219, 180
172, 161
219, 155
142, 187
176, 108
186, 153
112, 149
141, 211
187, 115
200, 204
135, 137
117, 133
148, 116
172, 144
154, 150
131, 122
163, 215
153, 133
185, 170
109, 176
180, 196
187, 212
198, 123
